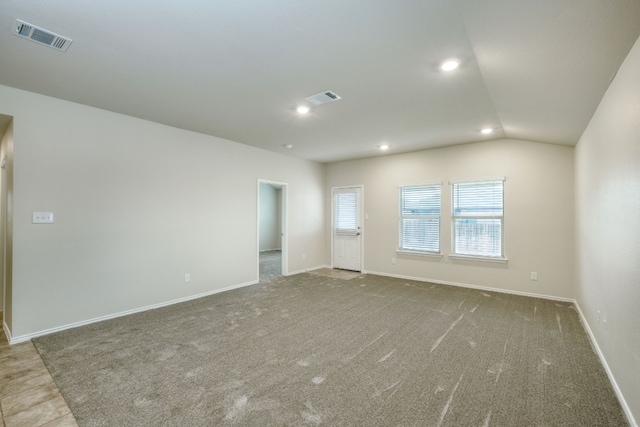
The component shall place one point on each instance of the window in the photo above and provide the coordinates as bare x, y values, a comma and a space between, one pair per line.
420, 218
346, 212
478, 218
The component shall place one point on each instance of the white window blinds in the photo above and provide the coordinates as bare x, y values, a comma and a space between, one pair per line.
478, 218
346, 212
420, 218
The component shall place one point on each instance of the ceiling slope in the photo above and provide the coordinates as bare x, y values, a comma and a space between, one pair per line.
237, 70
548, 63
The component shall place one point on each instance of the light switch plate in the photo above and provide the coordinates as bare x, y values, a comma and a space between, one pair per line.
43, 217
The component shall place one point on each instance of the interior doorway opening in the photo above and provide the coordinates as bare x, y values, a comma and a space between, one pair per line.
272, 230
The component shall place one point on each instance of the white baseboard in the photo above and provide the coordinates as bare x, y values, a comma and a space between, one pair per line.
306, 270
7, 331
27, 337
583, 319
466, 285
592, 337
585, 324
596, 347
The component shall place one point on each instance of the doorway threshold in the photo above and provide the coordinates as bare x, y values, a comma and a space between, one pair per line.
336, 273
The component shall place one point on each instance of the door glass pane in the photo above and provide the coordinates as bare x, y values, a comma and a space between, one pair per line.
346, 212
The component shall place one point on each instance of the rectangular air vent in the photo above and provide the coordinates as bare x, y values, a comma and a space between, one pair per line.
41, 36
323, 97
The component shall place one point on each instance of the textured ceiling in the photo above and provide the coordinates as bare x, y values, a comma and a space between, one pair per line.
531, 69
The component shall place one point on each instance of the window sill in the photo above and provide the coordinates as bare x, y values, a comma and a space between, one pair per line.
479, 258
418, 253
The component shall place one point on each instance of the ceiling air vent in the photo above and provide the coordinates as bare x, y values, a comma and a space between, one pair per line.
41, 36
323, 97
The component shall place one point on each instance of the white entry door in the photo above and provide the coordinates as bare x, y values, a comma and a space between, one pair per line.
347, 230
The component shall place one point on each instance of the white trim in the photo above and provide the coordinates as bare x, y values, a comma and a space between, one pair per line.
306, 270
499, 178
583, 320
419, 253
596, 347
27, 337
420, 184
479, 258
478, 287
7, 331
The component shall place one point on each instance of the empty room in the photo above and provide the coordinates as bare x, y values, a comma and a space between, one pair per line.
286, 213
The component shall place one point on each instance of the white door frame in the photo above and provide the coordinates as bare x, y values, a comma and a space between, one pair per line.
284, 203
3, 235
361, 220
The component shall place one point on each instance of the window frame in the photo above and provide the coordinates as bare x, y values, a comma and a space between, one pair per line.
402, 249
478, 256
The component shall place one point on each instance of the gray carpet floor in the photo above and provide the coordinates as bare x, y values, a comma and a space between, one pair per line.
270, 265
316, 350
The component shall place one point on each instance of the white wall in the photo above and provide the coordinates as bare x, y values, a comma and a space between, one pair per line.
608, 227
538, 212
270, 217
137, 205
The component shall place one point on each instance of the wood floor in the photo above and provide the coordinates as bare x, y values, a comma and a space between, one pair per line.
28, 395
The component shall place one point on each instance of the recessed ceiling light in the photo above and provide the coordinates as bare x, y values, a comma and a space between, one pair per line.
288, 146
302, 109
449, 64
384, 147
486, 131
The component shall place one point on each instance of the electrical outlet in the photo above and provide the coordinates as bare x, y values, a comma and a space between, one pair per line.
534, 275
304, 256
43, 218
187, 277
393, 261
598, 316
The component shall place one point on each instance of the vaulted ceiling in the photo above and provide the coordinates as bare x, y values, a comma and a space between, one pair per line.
238, 69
